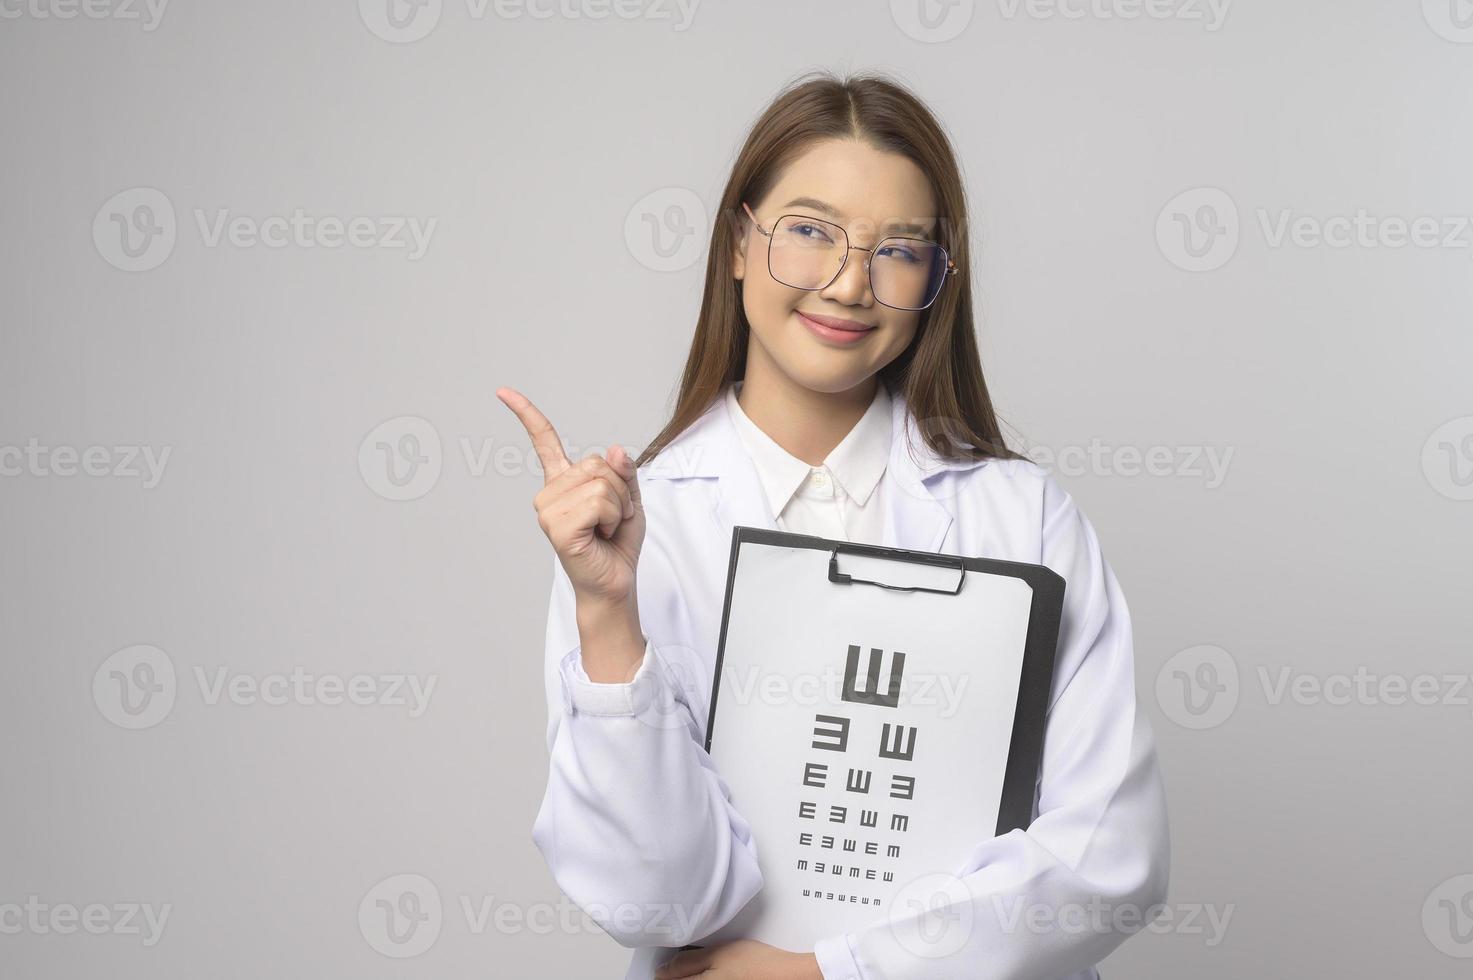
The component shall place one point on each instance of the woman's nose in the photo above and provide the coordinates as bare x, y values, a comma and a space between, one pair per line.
852, 285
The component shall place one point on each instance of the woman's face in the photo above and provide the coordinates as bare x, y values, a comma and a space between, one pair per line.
869, 193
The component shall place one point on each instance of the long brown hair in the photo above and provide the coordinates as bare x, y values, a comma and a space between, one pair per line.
940, 373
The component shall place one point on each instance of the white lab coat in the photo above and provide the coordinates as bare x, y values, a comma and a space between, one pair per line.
638, 829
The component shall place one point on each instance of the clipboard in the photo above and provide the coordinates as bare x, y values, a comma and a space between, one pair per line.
875, 778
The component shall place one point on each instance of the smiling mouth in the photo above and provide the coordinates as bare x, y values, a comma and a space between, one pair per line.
835, 323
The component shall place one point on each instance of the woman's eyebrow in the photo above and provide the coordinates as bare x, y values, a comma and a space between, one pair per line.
833, 212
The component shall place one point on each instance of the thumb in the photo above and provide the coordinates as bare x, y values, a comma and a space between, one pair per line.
622, 462
684, 964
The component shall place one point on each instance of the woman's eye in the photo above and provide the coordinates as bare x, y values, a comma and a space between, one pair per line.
811, 231
900, 252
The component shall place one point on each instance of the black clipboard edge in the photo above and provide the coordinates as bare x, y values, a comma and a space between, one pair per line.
1035, 682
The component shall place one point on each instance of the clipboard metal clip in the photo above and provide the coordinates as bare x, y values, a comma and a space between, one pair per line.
940, 560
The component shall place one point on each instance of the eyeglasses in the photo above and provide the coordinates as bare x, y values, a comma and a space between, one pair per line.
809, 253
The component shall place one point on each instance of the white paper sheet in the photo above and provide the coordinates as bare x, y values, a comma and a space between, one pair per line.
782, 688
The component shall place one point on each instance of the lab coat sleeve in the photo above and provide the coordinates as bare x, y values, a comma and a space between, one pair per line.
636, 825
1091, 869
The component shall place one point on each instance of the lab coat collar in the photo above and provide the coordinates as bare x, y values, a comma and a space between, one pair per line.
856, 462
710, 448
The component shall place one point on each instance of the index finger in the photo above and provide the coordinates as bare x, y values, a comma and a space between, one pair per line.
544, 437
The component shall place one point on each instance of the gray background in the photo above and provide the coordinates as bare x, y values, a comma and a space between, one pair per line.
1337, 539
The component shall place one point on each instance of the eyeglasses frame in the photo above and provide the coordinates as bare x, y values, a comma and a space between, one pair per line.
869, 254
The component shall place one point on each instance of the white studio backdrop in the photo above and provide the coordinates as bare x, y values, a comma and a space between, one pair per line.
273, 593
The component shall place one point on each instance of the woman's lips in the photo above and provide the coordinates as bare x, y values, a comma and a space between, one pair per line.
834, 329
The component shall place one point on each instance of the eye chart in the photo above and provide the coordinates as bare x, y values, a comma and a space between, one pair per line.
876, 713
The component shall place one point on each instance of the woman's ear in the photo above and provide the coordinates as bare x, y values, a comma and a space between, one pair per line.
739, 250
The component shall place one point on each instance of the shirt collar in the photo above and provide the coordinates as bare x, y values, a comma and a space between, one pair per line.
857, 462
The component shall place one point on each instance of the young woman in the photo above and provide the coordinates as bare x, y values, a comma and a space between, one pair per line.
833, 387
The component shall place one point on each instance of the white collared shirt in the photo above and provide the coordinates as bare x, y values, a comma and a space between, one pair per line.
839, 499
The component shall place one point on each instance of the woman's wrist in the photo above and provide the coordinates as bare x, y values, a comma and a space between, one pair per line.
612, 639
808, 969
